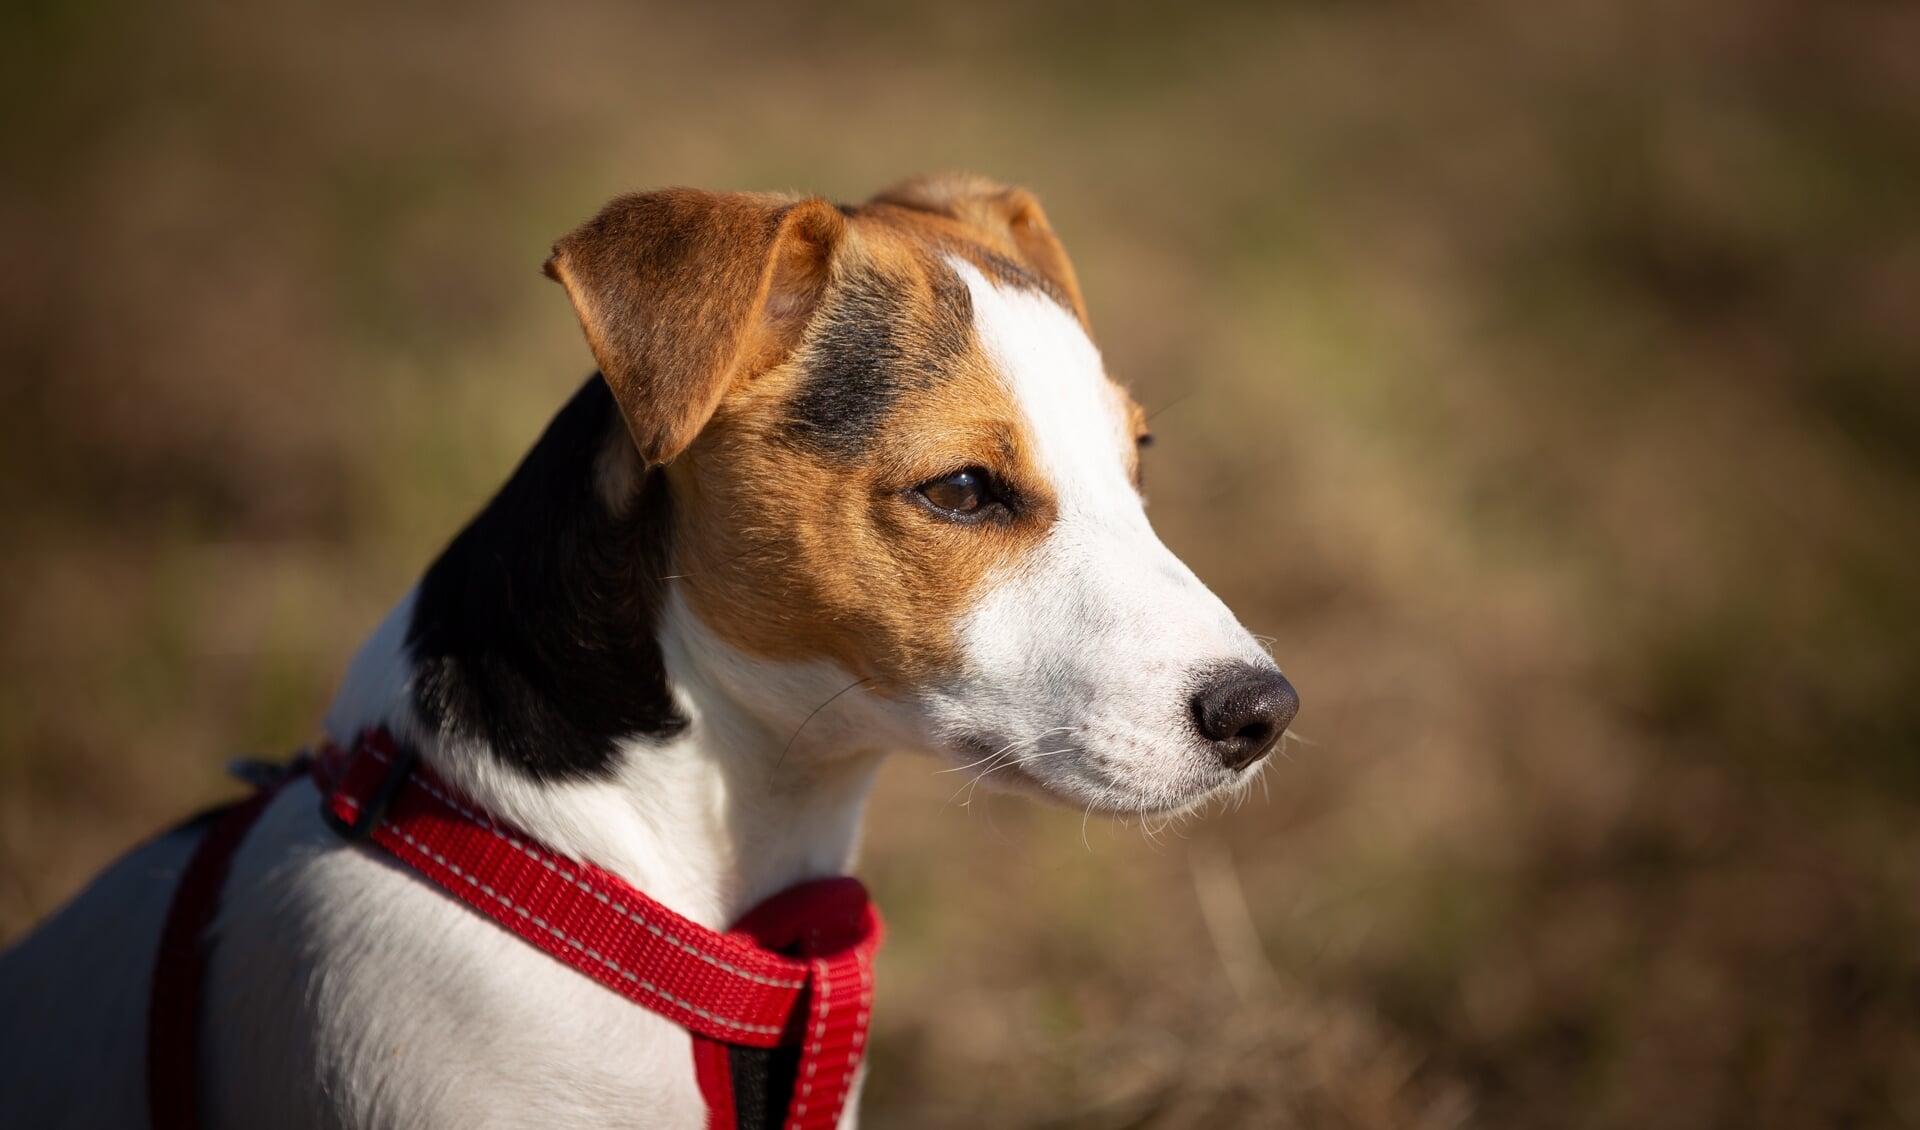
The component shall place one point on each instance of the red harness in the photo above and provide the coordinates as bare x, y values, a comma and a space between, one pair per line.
778, 1007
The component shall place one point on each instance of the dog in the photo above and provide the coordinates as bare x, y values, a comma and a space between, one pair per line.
850, 480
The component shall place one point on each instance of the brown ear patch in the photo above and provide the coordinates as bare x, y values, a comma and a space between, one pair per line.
682, 292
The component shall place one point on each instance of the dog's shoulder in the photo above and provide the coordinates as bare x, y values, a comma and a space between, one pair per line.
337, 972
341, 991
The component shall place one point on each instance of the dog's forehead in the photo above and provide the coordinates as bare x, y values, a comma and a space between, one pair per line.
923, 307
1080, 423
933, 240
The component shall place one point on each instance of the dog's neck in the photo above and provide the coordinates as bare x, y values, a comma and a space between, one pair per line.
545, 668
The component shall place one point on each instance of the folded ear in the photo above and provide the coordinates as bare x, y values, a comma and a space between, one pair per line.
1007, 213
681, 291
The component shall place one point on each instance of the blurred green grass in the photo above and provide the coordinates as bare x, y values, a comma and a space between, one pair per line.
1542, 378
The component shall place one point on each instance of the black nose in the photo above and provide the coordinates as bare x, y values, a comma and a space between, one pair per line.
1242, 710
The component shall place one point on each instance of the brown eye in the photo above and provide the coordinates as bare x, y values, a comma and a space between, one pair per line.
963, 494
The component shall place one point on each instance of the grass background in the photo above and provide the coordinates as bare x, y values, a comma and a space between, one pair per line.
1541, 377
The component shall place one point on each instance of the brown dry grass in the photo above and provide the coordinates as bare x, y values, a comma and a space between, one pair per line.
1542, 377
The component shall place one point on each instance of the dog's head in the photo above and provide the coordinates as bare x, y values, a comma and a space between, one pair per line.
898, 466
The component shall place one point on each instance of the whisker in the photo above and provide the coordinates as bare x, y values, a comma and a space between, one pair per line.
1038, 756
982, 761
1003, 749
803, 722
716, 565
991, 764
1000, 759
973, 784
1170, 404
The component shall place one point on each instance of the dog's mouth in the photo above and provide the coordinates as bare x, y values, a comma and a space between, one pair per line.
1010, 765
1058, 767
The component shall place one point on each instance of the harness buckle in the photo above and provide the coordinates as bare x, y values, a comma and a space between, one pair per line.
266, 773
375, 806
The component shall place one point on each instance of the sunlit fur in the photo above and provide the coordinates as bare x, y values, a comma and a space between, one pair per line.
1100, 628
1072, 619
815, 618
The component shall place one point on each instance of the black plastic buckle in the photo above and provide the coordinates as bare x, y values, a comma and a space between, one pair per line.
265, 773
376, 806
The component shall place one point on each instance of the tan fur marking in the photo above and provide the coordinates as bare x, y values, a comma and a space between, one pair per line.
1137, 428
791, 554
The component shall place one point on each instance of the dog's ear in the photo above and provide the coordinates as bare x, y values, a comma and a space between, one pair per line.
1010, 215
681, 291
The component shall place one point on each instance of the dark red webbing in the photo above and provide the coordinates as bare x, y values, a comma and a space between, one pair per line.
173, 1007
738, 988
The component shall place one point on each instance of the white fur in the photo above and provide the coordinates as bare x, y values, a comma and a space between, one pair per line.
343, 992
1083, 657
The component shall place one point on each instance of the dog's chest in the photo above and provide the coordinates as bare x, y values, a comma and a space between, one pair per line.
338, 969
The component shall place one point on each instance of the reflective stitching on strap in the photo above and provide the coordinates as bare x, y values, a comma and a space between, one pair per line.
823, 993
583, 884
643, 983
861, 1015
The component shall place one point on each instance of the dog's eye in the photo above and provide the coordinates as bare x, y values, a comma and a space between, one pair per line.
963, 494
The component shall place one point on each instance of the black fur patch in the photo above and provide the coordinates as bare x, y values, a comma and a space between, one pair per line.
873, 345
535, 630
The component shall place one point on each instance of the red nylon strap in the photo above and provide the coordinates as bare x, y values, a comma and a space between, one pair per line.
832, 1030
835, 1039
173, 1008
713, 1071
732, 988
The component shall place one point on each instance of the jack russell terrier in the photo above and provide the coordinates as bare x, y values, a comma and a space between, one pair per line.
850, 480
